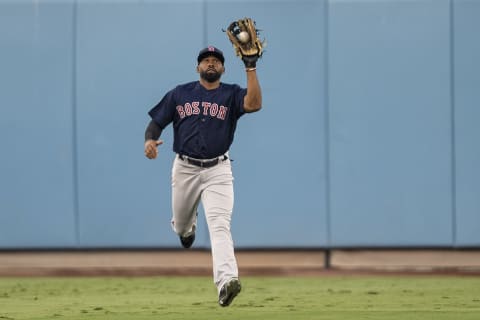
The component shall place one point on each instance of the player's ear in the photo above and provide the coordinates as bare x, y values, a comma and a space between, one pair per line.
198, 69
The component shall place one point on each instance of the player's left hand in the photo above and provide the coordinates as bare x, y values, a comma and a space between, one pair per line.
244, 36
250, 61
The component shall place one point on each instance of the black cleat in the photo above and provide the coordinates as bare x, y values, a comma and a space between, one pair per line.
187, 241
229, 291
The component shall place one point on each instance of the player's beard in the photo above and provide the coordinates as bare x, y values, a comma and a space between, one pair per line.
210, 76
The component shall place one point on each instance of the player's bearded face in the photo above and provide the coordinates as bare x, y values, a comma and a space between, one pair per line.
210, 75
210, 69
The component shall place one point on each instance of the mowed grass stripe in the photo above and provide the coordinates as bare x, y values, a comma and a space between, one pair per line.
346, 297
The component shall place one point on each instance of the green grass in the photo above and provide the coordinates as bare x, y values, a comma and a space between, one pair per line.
332, 298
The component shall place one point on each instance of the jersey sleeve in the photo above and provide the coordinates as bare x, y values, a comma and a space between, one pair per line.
239, 95
164, 111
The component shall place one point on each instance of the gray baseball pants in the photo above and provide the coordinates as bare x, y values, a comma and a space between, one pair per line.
214, 187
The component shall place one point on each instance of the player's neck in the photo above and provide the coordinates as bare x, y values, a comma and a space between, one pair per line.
210, 85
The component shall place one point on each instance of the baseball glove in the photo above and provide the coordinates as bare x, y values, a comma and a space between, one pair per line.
243, 35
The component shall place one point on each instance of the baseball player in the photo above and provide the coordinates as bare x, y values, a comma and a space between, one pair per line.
204, 114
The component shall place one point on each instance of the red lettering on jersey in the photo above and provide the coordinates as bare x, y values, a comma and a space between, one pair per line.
222, 112
205, 106
213, 109
180, 111
196, 109
188, 109
193, 108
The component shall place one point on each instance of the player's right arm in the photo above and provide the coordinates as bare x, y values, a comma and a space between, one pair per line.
162, 114
152, 135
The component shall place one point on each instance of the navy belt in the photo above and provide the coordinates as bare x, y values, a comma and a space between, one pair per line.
202, 163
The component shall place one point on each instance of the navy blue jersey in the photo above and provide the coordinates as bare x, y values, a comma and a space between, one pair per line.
204, 121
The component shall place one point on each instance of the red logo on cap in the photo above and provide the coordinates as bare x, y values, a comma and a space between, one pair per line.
210, 48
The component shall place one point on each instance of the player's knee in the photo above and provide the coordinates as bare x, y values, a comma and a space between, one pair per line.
219, 218
220, 226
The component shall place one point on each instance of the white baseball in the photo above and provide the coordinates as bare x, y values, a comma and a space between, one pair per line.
243, 36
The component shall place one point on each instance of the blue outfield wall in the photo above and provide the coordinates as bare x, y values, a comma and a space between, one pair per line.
368, 136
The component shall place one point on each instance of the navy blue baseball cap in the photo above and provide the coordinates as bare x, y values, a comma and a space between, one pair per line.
211, 51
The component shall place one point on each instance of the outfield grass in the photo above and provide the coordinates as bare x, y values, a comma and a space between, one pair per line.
333, 298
